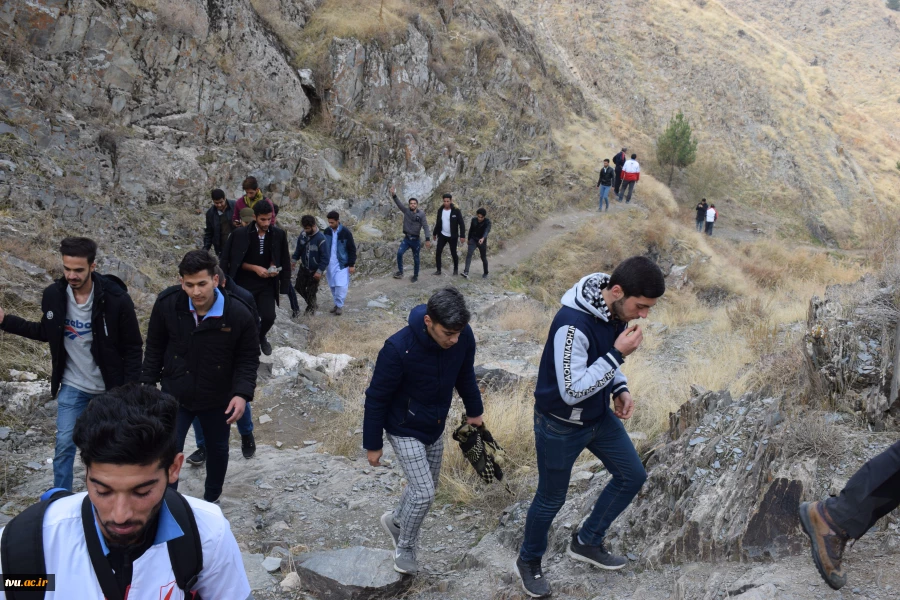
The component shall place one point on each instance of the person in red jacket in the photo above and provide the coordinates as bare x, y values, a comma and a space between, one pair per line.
631, 173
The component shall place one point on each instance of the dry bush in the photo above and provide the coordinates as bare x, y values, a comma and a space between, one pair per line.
748, 312
339, 430
679, 307
810, 434
531, 317
17, 352
361, 339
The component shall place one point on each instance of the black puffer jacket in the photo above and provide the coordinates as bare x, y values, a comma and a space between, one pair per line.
117, 342
235, 251
203, 366
212, 235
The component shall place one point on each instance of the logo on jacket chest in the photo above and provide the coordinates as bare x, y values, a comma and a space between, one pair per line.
49, 315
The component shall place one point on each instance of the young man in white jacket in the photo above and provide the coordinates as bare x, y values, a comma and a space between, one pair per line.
127, 442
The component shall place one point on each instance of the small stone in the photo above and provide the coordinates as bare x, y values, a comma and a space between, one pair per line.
449, 527
631, 556
716, 465
265, 486
272, 564
4, 433
263, 419
309, 442
279, 444
697, 440
291, 582
34, 466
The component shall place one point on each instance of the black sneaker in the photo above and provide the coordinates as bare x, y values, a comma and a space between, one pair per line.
198, 458
248, 445
532, 578
398, 275
455, 272
484, 276
414, 278
465, 274
265, 346
595, 555
295, 313
437, 273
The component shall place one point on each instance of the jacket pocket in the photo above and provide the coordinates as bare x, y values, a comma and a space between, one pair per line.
556, 426
423, 417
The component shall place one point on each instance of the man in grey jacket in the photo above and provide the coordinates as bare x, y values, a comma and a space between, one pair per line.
414, 221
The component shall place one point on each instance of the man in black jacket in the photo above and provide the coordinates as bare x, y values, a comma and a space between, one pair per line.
619, 161
257, 258
701, 214
479, 229
218, 222
310, 251
203, 345
95, 342
448, 229
607, 174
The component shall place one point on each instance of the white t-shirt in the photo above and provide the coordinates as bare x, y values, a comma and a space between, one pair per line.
445, 222
710, 215
66, 555
82, 371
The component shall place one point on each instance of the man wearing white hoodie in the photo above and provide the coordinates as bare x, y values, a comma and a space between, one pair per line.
579, 371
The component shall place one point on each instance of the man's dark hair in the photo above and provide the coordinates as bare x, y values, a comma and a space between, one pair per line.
605, 160
639, 276
704, 200
633, 156
81, 247
712, 205
129, 425
263, 208
416, 200
333, 215
447, 195
307, 221
218, 194
221, 275
196, 261
447, 307
250, 184
481, 212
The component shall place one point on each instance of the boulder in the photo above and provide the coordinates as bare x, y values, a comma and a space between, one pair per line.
355, 573
504, 373
19, 394
289, 361
257, 575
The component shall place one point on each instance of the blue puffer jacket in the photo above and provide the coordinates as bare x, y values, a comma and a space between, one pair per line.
412, 386
346, 250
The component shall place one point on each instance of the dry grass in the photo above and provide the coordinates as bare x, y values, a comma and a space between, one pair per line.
810, 434
531, 317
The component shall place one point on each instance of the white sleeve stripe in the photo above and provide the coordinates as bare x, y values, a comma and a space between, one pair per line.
612, 360
576, 379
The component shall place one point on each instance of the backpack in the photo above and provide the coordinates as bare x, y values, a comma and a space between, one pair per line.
22, 547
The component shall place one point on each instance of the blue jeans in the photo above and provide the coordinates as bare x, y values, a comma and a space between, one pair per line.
700, 224
604, 196
558, 445
71, 403
244, 425
409, 243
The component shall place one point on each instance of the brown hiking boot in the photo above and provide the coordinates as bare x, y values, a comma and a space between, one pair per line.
827, 546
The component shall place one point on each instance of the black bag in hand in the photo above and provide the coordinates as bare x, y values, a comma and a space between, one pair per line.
482, 451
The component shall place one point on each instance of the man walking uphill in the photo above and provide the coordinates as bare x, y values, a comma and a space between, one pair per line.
218, 222
95, 341
701, 214
414, 223
203, 346
409, 398
257, 258
479, 229
448, 229
605, 182
631, 172
619, 161
252, 195
340, 252
579, 371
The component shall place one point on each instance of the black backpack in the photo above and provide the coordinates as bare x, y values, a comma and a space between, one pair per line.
22, 547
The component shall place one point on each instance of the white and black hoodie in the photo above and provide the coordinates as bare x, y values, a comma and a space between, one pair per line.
579, 369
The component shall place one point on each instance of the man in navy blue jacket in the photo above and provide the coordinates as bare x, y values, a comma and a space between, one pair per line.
579, 371
409, 398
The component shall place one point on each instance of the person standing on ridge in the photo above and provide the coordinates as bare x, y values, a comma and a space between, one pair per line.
414, 223
409, 397
95, 341
631, 173
607, 174
448, 229
579, 371
245, 423
712, 215
252, 195
619, 161
218, 222
340, 252
479, 229
872, 493
257, 258
701, 214
312, 254
203, 347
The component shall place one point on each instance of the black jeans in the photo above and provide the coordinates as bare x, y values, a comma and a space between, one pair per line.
482, 248
265, 306
441, 242
215, 433
308, 288
618, 180
871, 493
709, 227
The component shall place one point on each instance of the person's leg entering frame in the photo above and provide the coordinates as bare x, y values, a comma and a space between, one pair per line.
415, 245
265, 305
217, 431
404, 246
870, 494
469, 252
421, 465
630, 186
245, 429
71, 402
441, 242
198, 457
453, 253
295, 305
483, 250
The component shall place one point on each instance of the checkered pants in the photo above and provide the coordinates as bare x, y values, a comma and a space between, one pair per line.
422, 466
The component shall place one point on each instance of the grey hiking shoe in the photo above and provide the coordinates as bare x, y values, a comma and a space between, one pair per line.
405, 561
387, 523
398, 275
532, 578
595, 555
